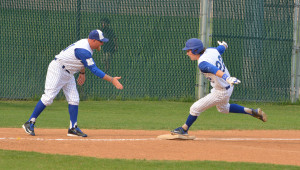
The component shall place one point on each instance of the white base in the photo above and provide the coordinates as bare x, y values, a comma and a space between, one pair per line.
173, 137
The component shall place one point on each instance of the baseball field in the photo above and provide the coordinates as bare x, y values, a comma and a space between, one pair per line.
123, 135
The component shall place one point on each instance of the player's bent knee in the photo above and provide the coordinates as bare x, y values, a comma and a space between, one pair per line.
47, 99
73, 102
223, 110
46, 102
194, 113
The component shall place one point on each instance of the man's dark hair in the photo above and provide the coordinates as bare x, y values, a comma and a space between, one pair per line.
202, 51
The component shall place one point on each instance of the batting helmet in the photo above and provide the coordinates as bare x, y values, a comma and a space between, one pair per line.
195, 45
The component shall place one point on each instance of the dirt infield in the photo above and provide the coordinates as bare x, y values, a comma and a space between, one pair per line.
265, 146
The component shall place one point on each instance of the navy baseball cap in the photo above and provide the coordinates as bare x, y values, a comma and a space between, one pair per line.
193, 43
97, 35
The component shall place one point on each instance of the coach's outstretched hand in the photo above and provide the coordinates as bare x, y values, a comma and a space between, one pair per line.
116, 83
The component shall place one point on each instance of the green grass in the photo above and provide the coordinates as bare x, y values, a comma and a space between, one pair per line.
33, 160
148, 115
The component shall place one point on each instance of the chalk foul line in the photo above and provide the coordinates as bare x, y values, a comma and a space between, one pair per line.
248, 139
149, 139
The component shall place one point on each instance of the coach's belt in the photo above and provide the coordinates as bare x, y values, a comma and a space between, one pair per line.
63, 66
228, 87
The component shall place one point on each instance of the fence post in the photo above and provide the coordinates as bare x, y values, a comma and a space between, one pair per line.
297, 50
203, 34
78, 19
295, 75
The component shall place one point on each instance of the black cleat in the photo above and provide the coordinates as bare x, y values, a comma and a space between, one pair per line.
76, 132
29, 127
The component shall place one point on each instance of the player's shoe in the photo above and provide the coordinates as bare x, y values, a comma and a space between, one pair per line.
259, 114
76, 132
179, 131
29, 127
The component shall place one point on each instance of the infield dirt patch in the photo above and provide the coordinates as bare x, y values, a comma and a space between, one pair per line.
264, 146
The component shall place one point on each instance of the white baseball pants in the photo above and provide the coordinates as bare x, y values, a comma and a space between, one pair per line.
58, 78
218, 98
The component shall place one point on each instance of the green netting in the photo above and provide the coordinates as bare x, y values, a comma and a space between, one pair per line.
260, 38
149, 36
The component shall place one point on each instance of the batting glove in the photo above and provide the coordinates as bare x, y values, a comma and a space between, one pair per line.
223, 43
232, 80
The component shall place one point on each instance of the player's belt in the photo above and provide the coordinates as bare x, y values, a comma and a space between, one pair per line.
63, 66
227, 87
65, 69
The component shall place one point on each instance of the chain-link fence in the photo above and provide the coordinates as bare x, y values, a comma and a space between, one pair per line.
260, 37
146, 38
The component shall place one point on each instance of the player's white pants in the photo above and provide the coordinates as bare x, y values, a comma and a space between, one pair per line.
58, 78
218, 98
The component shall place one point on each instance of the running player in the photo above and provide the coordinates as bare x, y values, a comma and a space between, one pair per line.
60, 75
213, 67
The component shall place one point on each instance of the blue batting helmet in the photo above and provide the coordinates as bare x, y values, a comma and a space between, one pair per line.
195, 45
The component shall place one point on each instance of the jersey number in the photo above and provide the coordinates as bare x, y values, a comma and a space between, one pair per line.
220, 64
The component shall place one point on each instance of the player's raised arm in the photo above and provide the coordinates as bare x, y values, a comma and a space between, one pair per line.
222, 47
223, 43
